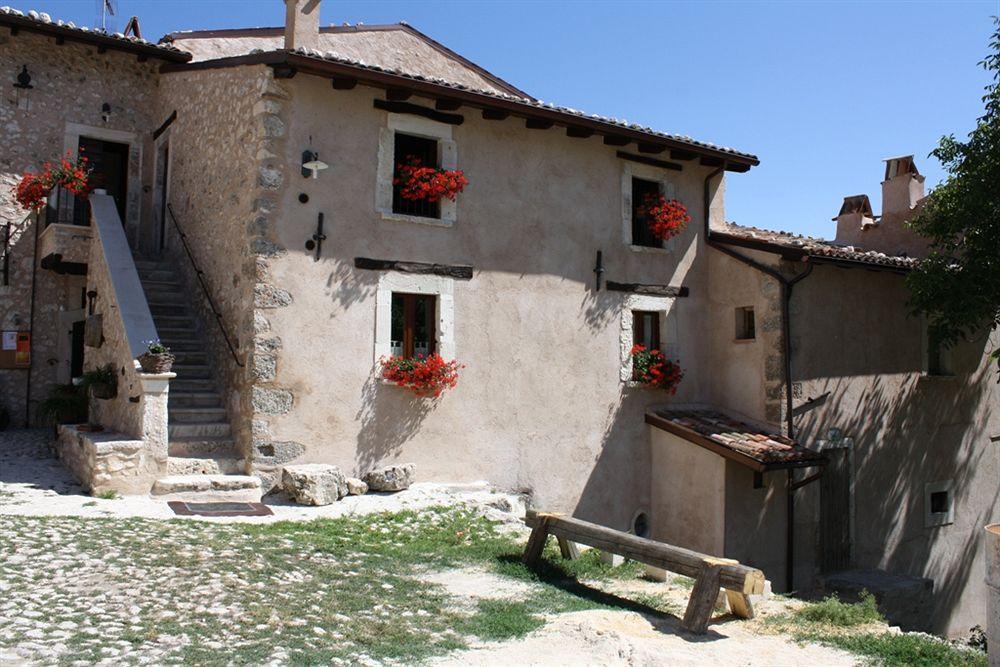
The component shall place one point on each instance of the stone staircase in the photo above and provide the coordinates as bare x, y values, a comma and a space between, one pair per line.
202, 463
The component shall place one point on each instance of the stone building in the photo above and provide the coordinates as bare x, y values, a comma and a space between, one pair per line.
280, 287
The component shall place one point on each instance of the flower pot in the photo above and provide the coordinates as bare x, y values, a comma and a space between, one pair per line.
104, 390
156, 363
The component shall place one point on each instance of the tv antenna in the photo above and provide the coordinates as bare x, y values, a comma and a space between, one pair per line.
108, 7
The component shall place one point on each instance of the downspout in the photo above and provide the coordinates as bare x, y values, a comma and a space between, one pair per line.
786, 352
31, 324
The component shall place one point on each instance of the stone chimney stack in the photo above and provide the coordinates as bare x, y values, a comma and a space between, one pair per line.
903, 186
854, 218
302, 24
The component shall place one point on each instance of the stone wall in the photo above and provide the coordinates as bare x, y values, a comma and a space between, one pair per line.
104, 462
71, 83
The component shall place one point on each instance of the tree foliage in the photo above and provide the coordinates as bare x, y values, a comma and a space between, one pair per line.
958, 285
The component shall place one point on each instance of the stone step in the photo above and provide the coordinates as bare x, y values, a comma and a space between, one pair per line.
210, 430
192, 385
190, 357
179, 415
162, 286
196, 372
179, 334
201, 447
185, 321
193, 399
215, 465
161, 309
159, 275
192, 343
207, 488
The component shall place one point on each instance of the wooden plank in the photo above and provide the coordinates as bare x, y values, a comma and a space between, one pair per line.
536, 543
538, 124
448, 270
568, 549
651, 161
343, 82
703, 598
495, 114
579, 132
658, 554
614, 140
651, 148
739, 604
656, 290
398, 94
417, 110
446, 104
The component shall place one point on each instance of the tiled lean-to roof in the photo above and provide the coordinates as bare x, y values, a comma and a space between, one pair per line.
41, 22
753, 446
794, 246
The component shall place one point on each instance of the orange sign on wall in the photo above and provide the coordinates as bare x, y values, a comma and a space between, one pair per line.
15, 349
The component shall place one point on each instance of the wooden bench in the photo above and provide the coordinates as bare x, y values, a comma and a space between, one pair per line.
710, 574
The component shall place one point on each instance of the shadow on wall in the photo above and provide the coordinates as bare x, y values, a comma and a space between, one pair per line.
348, 286
389, 416
606, 498
600, 309
907, 432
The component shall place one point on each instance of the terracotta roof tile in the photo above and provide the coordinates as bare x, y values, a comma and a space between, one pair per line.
753, 442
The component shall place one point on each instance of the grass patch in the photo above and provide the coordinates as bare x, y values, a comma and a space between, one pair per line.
502, 619
906, 649
107, 494
831, 611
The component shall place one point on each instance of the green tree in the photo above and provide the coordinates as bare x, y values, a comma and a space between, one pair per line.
958, 285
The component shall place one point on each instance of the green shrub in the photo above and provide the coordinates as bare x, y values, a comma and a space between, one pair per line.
831, 611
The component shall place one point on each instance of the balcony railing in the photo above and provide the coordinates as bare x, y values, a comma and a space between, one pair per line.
64, 208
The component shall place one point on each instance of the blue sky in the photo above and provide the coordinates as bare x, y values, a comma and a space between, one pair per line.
821, 92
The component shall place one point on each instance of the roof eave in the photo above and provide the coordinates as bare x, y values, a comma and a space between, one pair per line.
798, 254
15, 22
306, 64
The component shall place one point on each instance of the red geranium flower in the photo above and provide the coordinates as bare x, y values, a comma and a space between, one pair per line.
424, 376
652, 368
666, 217
428, 183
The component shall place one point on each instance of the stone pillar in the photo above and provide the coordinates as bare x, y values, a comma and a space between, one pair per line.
993, 593
155, 391
302, 24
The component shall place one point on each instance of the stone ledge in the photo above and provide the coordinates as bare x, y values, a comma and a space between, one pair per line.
107, 461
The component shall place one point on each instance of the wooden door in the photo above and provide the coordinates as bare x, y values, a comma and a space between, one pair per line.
835, 511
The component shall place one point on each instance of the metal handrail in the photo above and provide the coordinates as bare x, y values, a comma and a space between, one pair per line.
201, 279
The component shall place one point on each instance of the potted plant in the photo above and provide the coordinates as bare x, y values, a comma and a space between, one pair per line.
102, 382
425, 376
430, 184
157, 358
65, 404
653, 369
33, 189
665, 218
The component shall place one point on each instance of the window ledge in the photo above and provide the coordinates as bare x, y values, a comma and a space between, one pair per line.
938, 376
744, 340
646, 248
416, 219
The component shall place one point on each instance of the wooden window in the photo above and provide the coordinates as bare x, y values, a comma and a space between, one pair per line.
406, 146
641, 235
646, 329
413, 324
746, 325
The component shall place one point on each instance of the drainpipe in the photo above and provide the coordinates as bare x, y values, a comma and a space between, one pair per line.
31, 324
786, 352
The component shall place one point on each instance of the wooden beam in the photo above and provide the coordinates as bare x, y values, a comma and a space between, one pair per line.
612, 140
142, 57
283, 71
14, 30
343, 82
579, 132
711, 161
538, 124
732, 576
417, 110
654, 290
398, 94
680, 154
703, 597
651, 161
60, 40
536, 544
163, 127
651, 148
495, 114
446, 104
102, 49
459, 272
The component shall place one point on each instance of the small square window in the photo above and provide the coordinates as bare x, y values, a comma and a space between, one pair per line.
413, 325
746, 325
406, 148
939, 504
646, 329
641, 235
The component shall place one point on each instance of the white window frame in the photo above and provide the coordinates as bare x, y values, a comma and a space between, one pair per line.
934, 519
447, 158
664, 306
667, 188
407, 283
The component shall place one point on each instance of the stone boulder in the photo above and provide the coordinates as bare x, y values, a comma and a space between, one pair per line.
390, 478
314, 483
356, 487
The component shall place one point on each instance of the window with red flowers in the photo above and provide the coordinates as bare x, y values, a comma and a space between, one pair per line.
646, 329
413, 325
406, 149
641, 233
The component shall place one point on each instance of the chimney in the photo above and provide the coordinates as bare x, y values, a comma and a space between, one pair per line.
302, 24
855, 217
902, 188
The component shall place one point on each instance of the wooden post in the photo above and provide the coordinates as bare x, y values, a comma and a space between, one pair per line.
739, 604
568, 549
703, 597
536, 541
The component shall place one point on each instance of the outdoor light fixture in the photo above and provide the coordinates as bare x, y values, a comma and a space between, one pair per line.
311, 164
21, 89
105, 112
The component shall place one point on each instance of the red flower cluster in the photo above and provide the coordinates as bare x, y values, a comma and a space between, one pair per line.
424, 376
428, 183
33, 189
652, 368
666, 217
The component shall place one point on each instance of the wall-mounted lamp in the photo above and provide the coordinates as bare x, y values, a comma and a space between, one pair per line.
22, 88
311, 164
105, 112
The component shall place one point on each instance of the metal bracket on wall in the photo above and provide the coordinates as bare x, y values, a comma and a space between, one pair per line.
316, 242
599, 269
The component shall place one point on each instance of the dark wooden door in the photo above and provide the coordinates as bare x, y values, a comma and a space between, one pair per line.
835, 511
76, 349
109, 162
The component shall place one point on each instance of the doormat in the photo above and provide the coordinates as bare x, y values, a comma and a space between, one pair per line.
183, 508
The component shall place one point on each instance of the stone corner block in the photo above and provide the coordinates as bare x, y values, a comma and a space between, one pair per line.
271, 400
314, 483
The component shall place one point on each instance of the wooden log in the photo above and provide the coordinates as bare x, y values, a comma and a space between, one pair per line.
658, 554
739, 604
536, 543
448, 270
568, 549
703, 598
